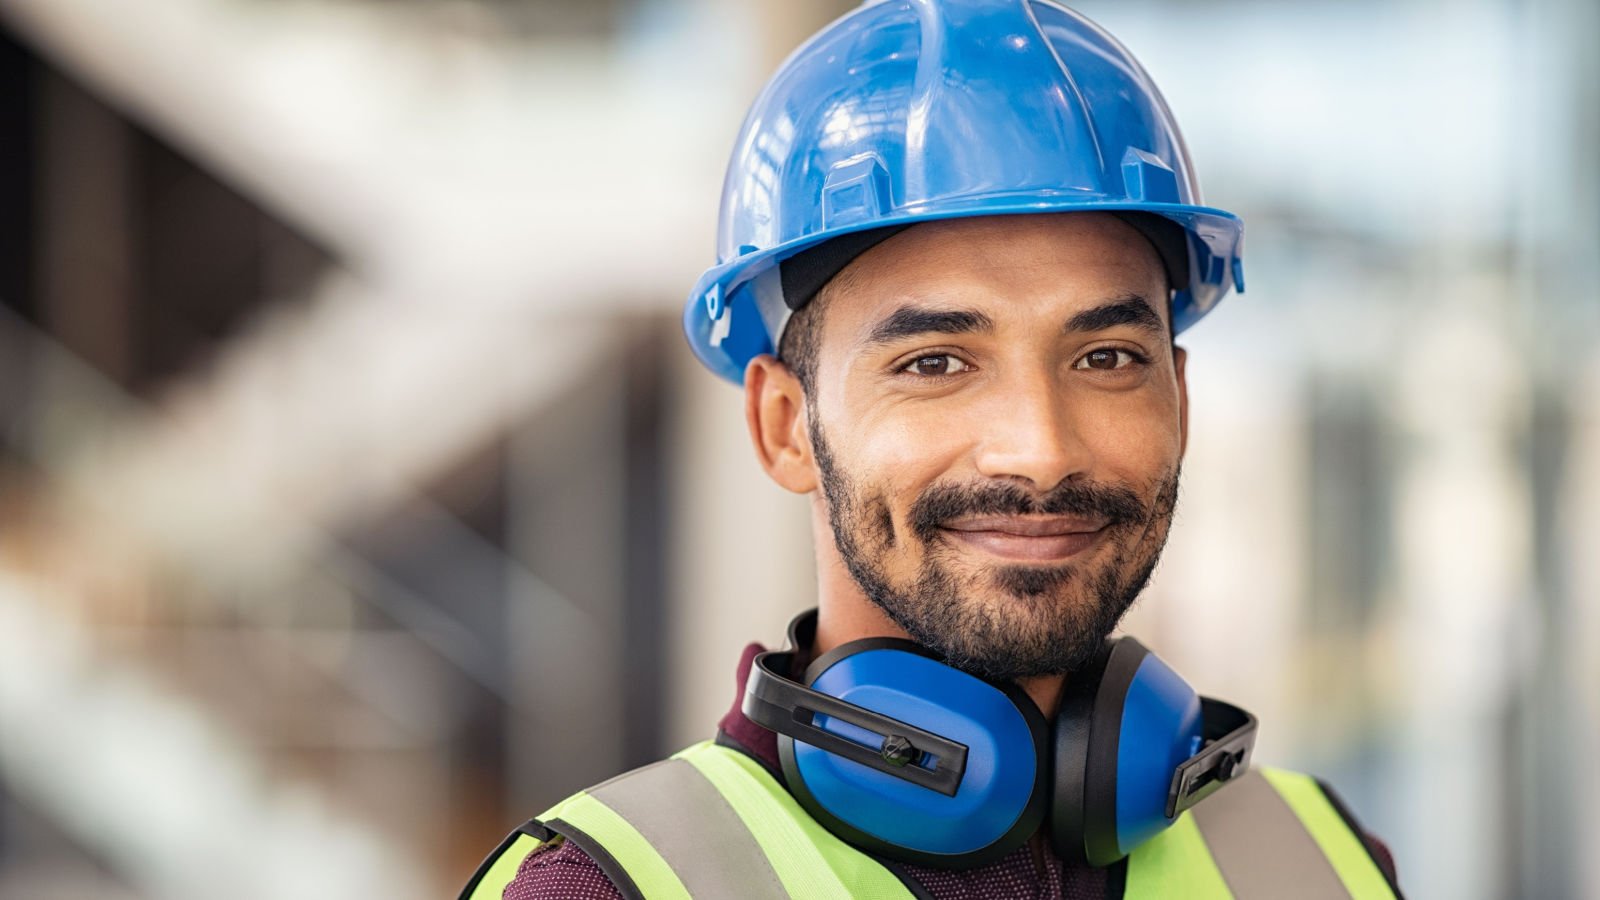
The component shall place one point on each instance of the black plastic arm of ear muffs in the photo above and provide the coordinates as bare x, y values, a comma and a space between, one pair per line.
789, 708
1229, 734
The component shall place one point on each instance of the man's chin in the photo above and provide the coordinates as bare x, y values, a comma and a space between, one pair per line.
1038, 592
1047, 585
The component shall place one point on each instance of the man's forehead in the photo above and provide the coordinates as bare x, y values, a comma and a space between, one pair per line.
978, 237
978, 268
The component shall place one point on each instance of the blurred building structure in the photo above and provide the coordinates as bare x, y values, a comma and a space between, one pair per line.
358, 497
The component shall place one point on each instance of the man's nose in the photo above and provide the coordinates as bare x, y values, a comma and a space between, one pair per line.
1031, 435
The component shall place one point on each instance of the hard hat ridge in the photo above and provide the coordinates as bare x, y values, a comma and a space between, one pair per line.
905, 111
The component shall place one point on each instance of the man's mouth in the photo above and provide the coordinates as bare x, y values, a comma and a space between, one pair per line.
1035, 539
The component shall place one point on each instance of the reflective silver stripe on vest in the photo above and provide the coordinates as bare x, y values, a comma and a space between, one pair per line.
1260, 846
696, 832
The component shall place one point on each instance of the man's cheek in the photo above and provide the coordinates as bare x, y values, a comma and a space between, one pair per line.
1136, 420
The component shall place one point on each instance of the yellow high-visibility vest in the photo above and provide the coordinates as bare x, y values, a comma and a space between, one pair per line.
712, 823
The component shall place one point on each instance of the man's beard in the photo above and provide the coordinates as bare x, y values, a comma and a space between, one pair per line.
1052, 620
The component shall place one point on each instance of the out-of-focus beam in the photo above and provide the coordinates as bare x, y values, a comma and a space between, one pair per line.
326, 413
1579, 665
488, 198
551, 175
177, 806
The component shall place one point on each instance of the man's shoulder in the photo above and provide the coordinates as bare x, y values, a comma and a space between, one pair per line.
1375, 846
566, 857
560, 869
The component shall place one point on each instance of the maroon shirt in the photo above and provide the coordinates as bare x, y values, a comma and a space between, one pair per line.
563, 872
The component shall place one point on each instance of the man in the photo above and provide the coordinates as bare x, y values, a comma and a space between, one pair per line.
970, 231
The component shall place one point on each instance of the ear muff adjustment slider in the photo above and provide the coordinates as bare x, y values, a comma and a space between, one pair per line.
788, 708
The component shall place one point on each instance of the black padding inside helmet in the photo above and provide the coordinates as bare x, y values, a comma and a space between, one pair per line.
1169, 239
804, 274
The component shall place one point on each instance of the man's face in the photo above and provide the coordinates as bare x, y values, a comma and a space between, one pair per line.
997, 422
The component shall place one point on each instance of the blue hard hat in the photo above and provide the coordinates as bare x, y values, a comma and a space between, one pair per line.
907, 111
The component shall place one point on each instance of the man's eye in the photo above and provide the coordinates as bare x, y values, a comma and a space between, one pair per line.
933, 366
1108, 359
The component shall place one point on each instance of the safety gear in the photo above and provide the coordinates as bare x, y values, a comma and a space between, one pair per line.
911, 759
907, 111
712, 823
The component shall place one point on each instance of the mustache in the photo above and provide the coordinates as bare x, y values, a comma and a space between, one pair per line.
1117, 504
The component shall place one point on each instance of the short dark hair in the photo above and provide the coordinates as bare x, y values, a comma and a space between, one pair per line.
802, 336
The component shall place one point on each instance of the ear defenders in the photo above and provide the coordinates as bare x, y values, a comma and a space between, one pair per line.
904, 756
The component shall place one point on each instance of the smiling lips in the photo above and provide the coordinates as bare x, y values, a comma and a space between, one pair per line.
1027, 538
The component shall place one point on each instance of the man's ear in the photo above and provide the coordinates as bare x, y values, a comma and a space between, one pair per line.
1180, 357
775, 411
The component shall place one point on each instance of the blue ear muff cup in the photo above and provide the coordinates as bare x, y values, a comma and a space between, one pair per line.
1003, 794
1127, 730
1161, 728
1123, 727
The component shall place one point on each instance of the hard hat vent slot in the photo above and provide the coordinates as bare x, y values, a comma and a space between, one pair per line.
1147, 179
857, 190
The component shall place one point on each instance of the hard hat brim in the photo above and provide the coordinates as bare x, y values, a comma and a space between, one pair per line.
726, 347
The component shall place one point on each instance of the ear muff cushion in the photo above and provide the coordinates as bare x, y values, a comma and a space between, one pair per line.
1073, 733
1002, 796
1102, 770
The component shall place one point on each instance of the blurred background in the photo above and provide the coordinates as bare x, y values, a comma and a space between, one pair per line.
359, 497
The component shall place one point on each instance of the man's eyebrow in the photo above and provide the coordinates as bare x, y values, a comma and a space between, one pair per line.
913, 320
1131, 309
